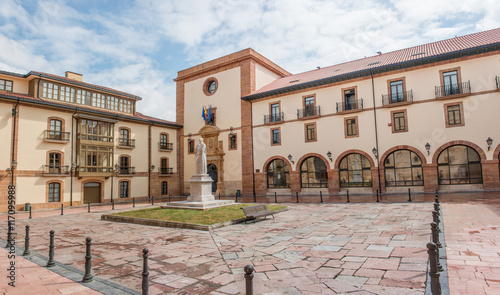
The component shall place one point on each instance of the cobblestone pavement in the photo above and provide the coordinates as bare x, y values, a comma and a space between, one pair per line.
472, 233
365, 248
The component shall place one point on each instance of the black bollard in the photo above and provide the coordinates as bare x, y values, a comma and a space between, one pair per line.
436, 208
152, 200
133, 202
275, 198
112, 204
89, 207
409, 195
219, 196
377, 197
435, 240
435, 218
248, 279
297, 196
30, 212
321, 196
433, 271
348, 197
236, 197
62, 209
436, 197
51, 262
9, 234
169, 198
88, 262
254, 198
145, 273
27, 242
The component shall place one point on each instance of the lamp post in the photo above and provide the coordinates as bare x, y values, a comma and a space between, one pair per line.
12, 168
428, 148
73, 167
112, 179
329, 155
375, 153
489, 141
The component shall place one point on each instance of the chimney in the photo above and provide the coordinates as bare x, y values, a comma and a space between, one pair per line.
74, 76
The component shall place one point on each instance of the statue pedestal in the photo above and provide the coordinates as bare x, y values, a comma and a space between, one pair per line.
200, 188
200, 197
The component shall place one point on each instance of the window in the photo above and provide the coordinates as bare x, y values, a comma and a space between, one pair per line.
54, 194
124, 165
190, 146
403, 168
95, 130
125, 137
275, 136
83, 97
275, 113
5, 85
397, 92
310, 132
309, 106
459, 164
124, 189
313, 173
232, 141
350, 99
164, 188
454, 115
351, 127
450, 83
164, 169
55, 129
210, 86
50, 90
98, 100
399, 121
164, 144
67, 94
355, 171
54, 163
278, 175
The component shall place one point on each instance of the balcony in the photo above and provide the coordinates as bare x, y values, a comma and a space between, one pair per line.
165, 171
50, 170
56, 136
350, 107
97, 171
274, 118
308, 112
397, 99
126, 170
453, 91
126, 143
166, 146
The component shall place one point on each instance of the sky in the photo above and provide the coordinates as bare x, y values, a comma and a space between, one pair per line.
139, 46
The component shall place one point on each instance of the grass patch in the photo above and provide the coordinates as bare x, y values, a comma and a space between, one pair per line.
206, 217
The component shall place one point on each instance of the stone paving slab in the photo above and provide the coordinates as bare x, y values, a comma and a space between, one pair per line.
329, 248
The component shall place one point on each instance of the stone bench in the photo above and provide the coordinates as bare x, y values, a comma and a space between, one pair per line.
253, 212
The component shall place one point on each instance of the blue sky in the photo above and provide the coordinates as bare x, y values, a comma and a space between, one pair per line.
139, 46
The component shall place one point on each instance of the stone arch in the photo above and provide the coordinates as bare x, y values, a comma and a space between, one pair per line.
304, 157
266, 164
496, 152
341, 156
402, 147
474, 146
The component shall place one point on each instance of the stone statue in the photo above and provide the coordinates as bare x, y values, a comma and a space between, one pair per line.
201, 158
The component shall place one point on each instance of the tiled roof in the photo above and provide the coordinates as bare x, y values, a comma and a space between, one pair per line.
411, 54
72, 81
56, 103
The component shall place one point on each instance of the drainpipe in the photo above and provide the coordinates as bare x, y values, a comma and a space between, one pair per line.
376, 135
72, 167
14, 115
251, 138
149, 161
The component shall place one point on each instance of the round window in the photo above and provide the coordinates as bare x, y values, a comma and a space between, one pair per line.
212, 86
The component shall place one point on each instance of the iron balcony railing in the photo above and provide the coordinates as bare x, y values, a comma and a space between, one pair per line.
126, 170
167, 146
461, 88
165, 171
127, 142
278, 117
391, 98
308, 112
497, 79
55, 170
56, 135
356, 104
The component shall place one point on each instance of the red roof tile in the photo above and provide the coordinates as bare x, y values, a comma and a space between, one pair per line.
390, 58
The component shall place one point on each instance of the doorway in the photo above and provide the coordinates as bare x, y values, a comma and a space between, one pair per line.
213, 173
92, 192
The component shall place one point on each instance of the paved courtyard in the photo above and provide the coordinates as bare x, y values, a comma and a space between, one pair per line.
362, 248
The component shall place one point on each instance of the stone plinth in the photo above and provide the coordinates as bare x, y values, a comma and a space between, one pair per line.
200, 188
200, 197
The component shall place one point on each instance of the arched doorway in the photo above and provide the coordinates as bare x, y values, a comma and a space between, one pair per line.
92, 192
213, 173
